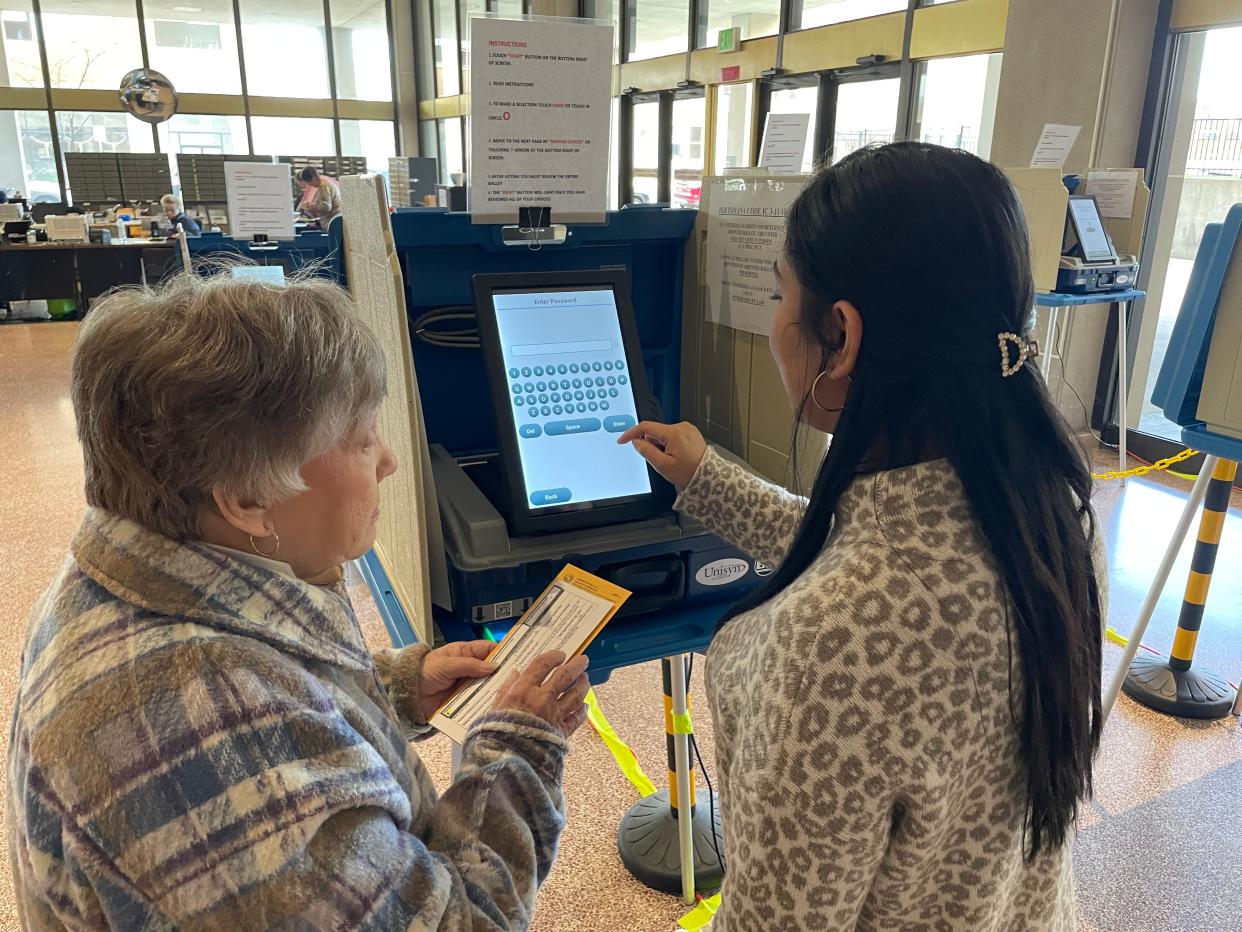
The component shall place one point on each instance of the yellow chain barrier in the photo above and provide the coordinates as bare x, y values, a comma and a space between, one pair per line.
1158, 466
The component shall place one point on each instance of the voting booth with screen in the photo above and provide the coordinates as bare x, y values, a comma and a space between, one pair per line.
566, 376
531, 363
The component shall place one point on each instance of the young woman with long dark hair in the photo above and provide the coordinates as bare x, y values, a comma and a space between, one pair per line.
906, 712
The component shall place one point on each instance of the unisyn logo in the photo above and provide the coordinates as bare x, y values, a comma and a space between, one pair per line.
722, 572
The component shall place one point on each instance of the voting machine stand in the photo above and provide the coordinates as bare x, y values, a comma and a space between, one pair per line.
665, 561
1200, 389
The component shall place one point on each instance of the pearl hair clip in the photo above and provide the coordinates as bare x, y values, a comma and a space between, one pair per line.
1027, 349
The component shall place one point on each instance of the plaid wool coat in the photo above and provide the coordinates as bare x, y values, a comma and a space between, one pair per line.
200, 743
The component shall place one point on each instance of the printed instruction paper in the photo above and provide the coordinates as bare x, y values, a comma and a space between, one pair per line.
260, 199
566, 617
540, 115
784, 141
1114, 191
1054, 145
745, 236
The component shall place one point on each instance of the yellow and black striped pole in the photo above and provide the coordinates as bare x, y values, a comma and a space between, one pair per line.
670, 840
1170, 685
675, 724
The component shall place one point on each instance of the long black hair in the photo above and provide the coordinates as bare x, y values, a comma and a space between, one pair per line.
930, 244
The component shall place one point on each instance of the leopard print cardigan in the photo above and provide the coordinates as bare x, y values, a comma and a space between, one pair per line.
868, 761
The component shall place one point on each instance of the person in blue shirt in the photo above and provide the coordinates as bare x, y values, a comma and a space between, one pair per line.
175, 214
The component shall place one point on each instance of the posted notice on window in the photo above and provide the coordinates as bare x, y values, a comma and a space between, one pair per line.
566, 617
259, 199
541, 98
745, 236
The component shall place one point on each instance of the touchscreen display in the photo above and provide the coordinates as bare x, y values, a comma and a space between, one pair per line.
570, 395
1092, 236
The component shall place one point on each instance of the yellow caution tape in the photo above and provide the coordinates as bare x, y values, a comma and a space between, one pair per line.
1158, 466
701, 915
621, 752
681, 724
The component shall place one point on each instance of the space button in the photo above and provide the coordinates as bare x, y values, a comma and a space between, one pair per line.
582, 425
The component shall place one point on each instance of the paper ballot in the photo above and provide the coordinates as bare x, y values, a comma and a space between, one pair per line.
566, 617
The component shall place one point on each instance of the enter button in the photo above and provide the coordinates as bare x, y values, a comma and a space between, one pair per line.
618, 423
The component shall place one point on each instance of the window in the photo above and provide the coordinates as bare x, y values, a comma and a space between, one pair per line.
19, 47
799, 100
292, 136
194, 45
469, 9
957, 102
689, 127
360, 50
86, 131
614, 156
444, 28
90, 44
658, 27
755, 17
286, 55
452, 150
27, 165
509, 9
1198, 177
185, 35
609, 11
826, 12
735, 125
373, 139
866, 114
204, 135
645, 152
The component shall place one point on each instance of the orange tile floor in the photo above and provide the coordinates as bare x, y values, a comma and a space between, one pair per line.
1159, 849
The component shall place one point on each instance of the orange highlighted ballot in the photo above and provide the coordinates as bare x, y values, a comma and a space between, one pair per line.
566, 617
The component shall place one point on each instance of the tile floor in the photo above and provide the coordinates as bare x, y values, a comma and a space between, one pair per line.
1159, 849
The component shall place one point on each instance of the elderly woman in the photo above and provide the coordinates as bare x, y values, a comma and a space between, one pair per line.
201, 738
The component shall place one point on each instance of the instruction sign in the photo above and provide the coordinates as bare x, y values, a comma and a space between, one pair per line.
1113, 191
784, 141
541, 99
745, 236
259, 199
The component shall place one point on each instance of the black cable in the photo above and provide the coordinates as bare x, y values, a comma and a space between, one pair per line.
711, 790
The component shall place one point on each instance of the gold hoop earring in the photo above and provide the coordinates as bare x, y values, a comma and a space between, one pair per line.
255, 547
815, 401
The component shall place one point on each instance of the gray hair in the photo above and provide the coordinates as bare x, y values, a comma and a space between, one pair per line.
171, 199
216, 382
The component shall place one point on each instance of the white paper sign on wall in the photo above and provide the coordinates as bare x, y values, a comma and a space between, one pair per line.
540, 114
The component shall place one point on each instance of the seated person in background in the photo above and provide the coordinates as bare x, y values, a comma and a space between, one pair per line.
202, 740
321, 196
176, 214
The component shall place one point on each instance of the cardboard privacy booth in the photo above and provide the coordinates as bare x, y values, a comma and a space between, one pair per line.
409, 543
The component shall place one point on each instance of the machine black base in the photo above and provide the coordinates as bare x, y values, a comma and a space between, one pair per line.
648, 841
1184, 693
